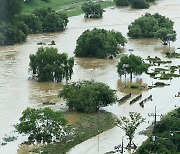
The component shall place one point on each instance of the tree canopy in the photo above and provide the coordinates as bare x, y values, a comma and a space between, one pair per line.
138, 4
87, 96
48, 65
52, 21
148, 25
166, 35
10, 8
32, 21
12, 33
131, 64
99, 43
92, 9
42, 124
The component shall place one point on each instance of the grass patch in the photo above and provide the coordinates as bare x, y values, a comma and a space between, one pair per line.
172, 55
70, 7
160, 84
86, 125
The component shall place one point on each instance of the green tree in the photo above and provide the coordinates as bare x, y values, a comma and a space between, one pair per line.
130, 126
166, 35
87, 96
166, 136
10, 8
140, 4
52, 21
147, 25
48, 65
92, 9
33, 22
13, 33
42, 124
131, 64
122, 2
99, 43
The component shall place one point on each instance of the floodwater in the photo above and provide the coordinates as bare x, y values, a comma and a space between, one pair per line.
17, 92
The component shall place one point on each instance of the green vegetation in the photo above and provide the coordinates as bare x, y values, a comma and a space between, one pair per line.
11, 30
92, 9
130, 126
52, 21
42, 124
131, 64
157, 60
9, 9
87, 96
137, 4
85, 126
70, 7
15, 27
48, 65
99, 43
160, 84
166, 35
173, 55
167, 136
149, 26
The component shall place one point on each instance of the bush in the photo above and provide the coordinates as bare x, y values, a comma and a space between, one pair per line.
87, 96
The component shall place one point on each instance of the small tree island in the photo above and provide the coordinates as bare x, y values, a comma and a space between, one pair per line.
150, 26
99, 43
48, 65
92, 9
87, 96
137, 4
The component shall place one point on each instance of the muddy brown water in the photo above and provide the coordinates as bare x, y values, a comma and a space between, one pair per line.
17, 92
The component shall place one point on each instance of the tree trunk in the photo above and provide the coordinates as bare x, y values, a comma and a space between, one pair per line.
131, 76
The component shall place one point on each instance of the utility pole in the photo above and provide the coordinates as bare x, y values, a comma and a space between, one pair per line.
122, 148
155, 120
98, 131
154, 115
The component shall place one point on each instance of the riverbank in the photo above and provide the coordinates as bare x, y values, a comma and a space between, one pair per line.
70, 7
86, 126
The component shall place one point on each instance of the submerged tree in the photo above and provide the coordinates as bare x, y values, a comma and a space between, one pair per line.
131, 64
148, 25
166, 35
130, 126
48, 65
42, 124
87, 96
92, 9
99, 43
